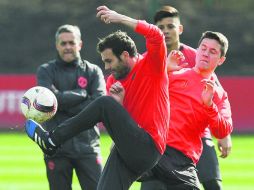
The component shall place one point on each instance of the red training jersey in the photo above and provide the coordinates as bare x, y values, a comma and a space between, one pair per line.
190, 56
189, 117
146, 86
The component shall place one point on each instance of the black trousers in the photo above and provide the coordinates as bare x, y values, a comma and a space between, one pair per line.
208, 170
60, 171
134, 151
174, 171
208, 167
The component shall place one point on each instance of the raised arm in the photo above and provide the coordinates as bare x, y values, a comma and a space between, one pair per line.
109, 16
155, 43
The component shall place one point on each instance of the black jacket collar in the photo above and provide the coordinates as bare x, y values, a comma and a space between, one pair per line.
68, 64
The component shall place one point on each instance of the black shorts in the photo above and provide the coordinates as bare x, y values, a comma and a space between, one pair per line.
208, 165
174, 171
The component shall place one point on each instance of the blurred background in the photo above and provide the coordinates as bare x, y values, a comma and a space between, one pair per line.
27, 36
27, 28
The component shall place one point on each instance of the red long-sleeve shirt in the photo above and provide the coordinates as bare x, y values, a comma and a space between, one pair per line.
190, 56
146, 87
189, 117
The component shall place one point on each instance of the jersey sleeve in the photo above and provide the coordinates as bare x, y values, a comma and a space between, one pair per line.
220, 120
155, 45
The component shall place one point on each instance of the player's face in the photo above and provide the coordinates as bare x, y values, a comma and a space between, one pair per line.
119, 68
171, 29
68, 46
208, 56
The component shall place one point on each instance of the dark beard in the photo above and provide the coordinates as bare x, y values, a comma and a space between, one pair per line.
121, 75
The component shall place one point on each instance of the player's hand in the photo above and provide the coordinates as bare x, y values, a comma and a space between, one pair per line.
208, 92
117, 92
174, 60
107, 16
225, 146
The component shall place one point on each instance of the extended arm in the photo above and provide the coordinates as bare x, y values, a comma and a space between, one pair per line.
225, 146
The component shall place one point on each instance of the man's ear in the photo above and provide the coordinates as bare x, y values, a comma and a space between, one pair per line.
222, 60
125, 55
80, 45
180, 29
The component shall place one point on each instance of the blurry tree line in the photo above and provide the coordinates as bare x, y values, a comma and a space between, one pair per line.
27, 28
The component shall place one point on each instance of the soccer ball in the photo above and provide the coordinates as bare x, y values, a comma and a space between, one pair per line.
39, 103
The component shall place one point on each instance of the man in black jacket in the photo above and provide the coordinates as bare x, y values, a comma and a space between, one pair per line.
76, 83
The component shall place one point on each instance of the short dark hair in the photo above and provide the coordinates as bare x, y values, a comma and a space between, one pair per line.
118, 41
219, 37
166, 11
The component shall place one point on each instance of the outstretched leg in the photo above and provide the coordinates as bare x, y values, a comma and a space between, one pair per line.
131, 141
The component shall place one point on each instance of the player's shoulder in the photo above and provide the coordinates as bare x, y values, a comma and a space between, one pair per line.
183, 71
184, 47
92, 65
219, 90
48, 67
92, 71
182, 75
49, 64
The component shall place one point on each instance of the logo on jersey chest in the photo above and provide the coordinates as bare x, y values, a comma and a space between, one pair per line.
82, 82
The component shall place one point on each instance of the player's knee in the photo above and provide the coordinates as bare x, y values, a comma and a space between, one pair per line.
212, 185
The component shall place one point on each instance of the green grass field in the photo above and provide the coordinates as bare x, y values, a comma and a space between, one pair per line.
22, 166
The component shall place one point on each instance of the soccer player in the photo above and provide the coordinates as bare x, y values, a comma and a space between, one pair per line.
168, 20
196, 101
75, 82
136, 112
